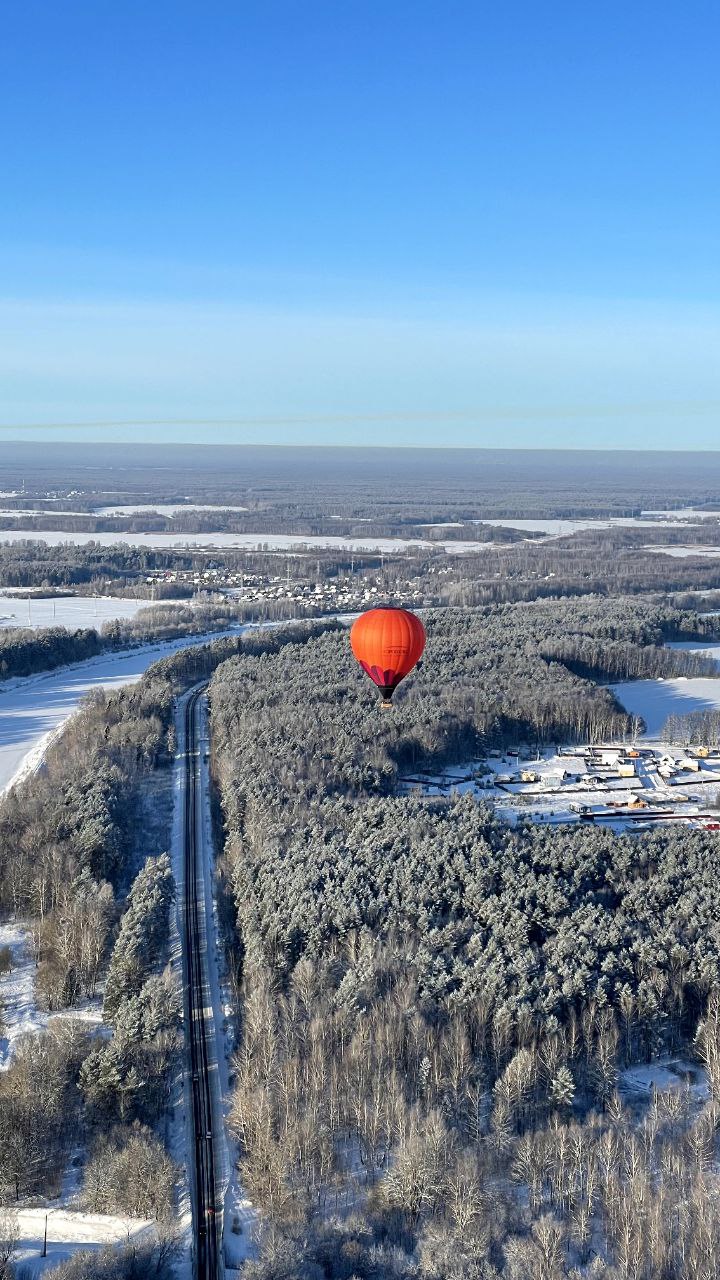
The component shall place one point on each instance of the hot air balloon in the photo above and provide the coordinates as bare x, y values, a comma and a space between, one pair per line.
387, 643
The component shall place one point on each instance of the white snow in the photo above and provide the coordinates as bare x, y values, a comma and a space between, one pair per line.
559, 528
692, 646
70, 611
68, 1232
665, 1074
683, 552
655, 700
17, 993
21, 1015
34, 707
686, 513
161, 508
240, 541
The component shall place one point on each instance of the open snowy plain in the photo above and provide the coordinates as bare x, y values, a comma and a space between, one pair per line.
32, 708
69, 611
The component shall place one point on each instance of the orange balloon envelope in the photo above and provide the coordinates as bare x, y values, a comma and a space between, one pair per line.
387, 643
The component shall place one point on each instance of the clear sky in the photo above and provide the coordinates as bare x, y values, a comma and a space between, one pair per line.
362, 221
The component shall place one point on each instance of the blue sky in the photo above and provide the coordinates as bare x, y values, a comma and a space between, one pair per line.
361, 222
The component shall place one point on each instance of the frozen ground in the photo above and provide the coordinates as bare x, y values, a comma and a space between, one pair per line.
69, 611
683, 552
247, 541
67, 1232
17, 995
655, 700
160, 508
33, 708
667, 1073
561, 528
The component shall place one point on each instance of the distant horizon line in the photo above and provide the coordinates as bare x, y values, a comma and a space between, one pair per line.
334, 448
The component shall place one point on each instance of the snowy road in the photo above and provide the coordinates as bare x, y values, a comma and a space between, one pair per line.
206, 1082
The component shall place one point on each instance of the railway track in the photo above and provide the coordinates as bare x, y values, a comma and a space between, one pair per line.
198, 1005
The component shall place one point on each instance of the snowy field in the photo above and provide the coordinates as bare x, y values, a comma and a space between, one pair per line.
675, 1074
682, 552
33, 708
655, 700
241, 541
70, 611
68, 1231
685, 513
160, 509
561, 528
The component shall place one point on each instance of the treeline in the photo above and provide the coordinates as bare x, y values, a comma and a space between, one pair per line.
696, 728
71, 842
609, 563
83, 863
24, 652
437, 1010
613, 660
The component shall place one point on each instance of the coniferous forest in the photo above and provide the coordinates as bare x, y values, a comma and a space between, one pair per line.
437, 1013
434, 1013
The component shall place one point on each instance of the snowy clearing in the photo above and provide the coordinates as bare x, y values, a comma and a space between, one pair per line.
161, 508
683, 552
655, 700
67, 1232
70, 611
667, 1073
239, 541
32, 708
561, 528
17, 993
21, 1015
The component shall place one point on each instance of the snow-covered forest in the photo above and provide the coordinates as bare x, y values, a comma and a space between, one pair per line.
438, 1013
429, 1005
